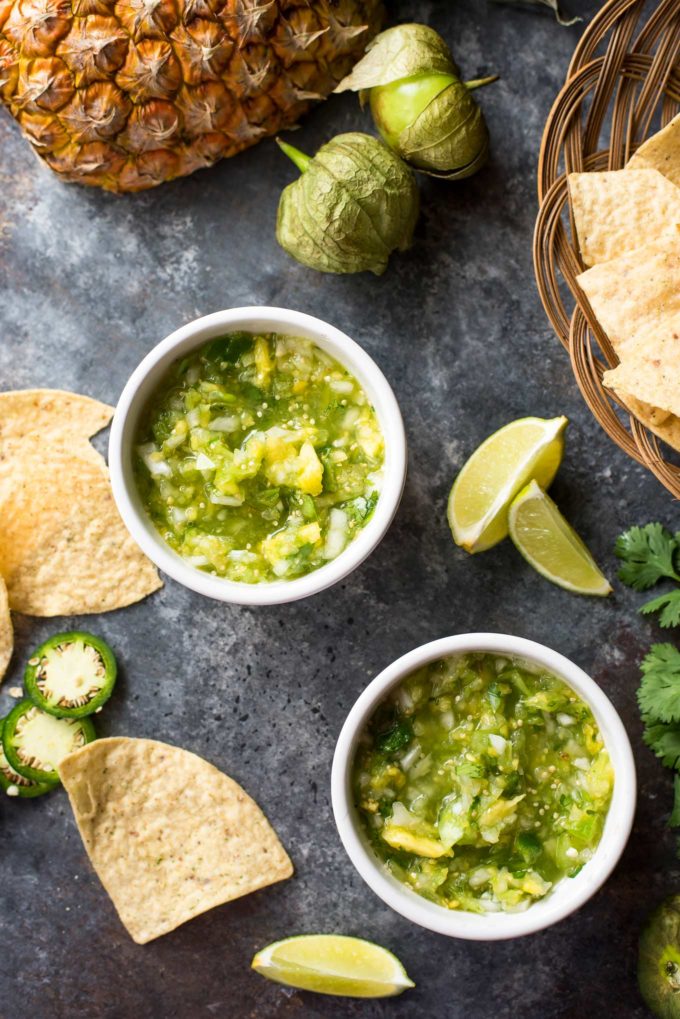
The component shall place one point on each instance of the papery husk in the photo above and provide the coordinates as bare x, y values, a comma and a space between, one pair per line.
461, 146
353, 205
400, 52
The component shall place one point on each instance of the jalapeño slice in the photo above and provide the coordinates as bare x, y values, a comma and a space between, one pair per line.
15, 784
35, 742
71, 675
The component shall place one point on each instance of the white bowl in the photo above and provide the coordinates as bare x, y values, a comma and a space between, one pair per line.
142, 384
569, 893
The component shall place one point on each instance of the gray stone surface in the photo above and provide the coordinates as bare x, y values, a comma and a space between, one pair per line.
89, 283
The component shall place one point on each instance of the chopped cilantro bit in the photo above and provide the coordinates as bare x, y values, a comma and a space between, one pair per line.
395, 738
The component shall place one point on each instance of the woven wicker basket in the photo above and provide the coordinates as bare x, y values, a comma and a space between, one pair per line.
623, 84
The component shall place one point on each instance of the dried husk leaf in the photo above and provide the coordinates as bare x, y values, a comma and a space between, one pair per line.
6, 631
563, 19
450, 138
355, 204
168, 834
399, 52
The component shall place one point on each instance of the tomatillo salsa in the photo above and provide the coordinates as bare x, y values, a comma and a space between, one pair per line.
482, 781
259, 458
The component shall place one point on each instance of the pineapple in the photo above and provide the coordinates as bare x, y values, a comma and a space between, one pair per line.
126, 94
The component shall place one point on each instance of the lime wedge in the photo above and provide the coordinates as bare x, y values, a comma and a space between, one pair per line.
551, 545
495, 473
333, 964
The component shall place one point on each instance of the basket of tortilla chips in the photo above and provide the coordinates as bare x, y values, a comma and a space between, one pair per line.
607, 241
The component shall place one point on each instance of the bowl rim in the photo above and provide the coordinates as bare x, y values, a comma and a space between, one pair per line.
552, 908
143, 381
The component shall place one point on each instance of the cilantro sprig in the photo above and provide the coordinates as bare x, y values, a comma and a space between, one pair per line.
659, 700
650, 554
659, 693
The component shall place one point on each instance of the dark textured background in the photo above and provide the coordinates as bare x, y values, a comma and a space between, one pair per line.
89, 283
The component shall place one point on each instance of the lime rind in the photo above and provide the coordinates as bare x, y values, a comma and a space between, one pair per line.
541, 460
576, 555
333, 964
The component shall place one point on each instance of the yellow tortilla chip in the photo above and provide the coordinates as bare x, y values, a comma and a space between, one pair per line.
660, 152
638, 295
51, 416
620, 210
168, 834
650, 366
64, 549
633, 293
6, 631
663, 424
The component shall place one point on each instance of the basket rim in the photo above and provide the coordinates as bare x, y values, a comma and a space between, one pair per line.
602, 113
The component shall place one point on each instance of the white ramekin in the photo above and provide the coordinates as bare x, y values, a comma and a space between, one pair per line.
569, 893
142, 384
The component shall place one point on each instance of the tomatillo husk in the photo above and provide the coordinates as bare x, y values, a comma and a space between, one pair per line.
353, 205
419, 104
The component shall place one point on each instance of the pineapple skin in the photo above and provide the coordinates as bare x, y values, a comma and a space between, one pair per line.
127, 94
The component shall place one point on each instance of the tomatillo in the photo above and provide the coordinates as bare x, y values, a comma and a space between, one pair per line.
353, 205
421, 107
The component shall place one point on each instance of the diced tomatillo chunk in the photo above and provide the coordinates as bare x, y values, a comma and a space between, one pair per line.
35, 743
71, 675
15, 784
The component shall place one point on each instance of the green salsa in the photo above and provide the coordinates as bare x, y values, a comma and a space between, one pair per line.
259, 458
482, 781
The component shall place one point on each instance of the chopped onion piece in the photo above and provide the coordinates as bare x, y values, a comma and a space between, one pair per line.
226, 423
497, 742
152, 461
198, 560
336, 538
565, 719
225, 500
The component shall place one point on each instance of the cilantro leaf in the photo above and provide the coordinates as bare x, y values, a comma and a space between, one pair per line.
664, 740
668, 605
659, 693
647, 554
674, 819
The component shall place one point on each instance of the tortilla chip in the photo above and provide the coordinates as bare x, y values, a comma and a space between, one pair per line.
50, 415
64, 549
6, 631
663, 424
631, 294
620, 210
650, 367
660, 152
638, 296
168, 834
